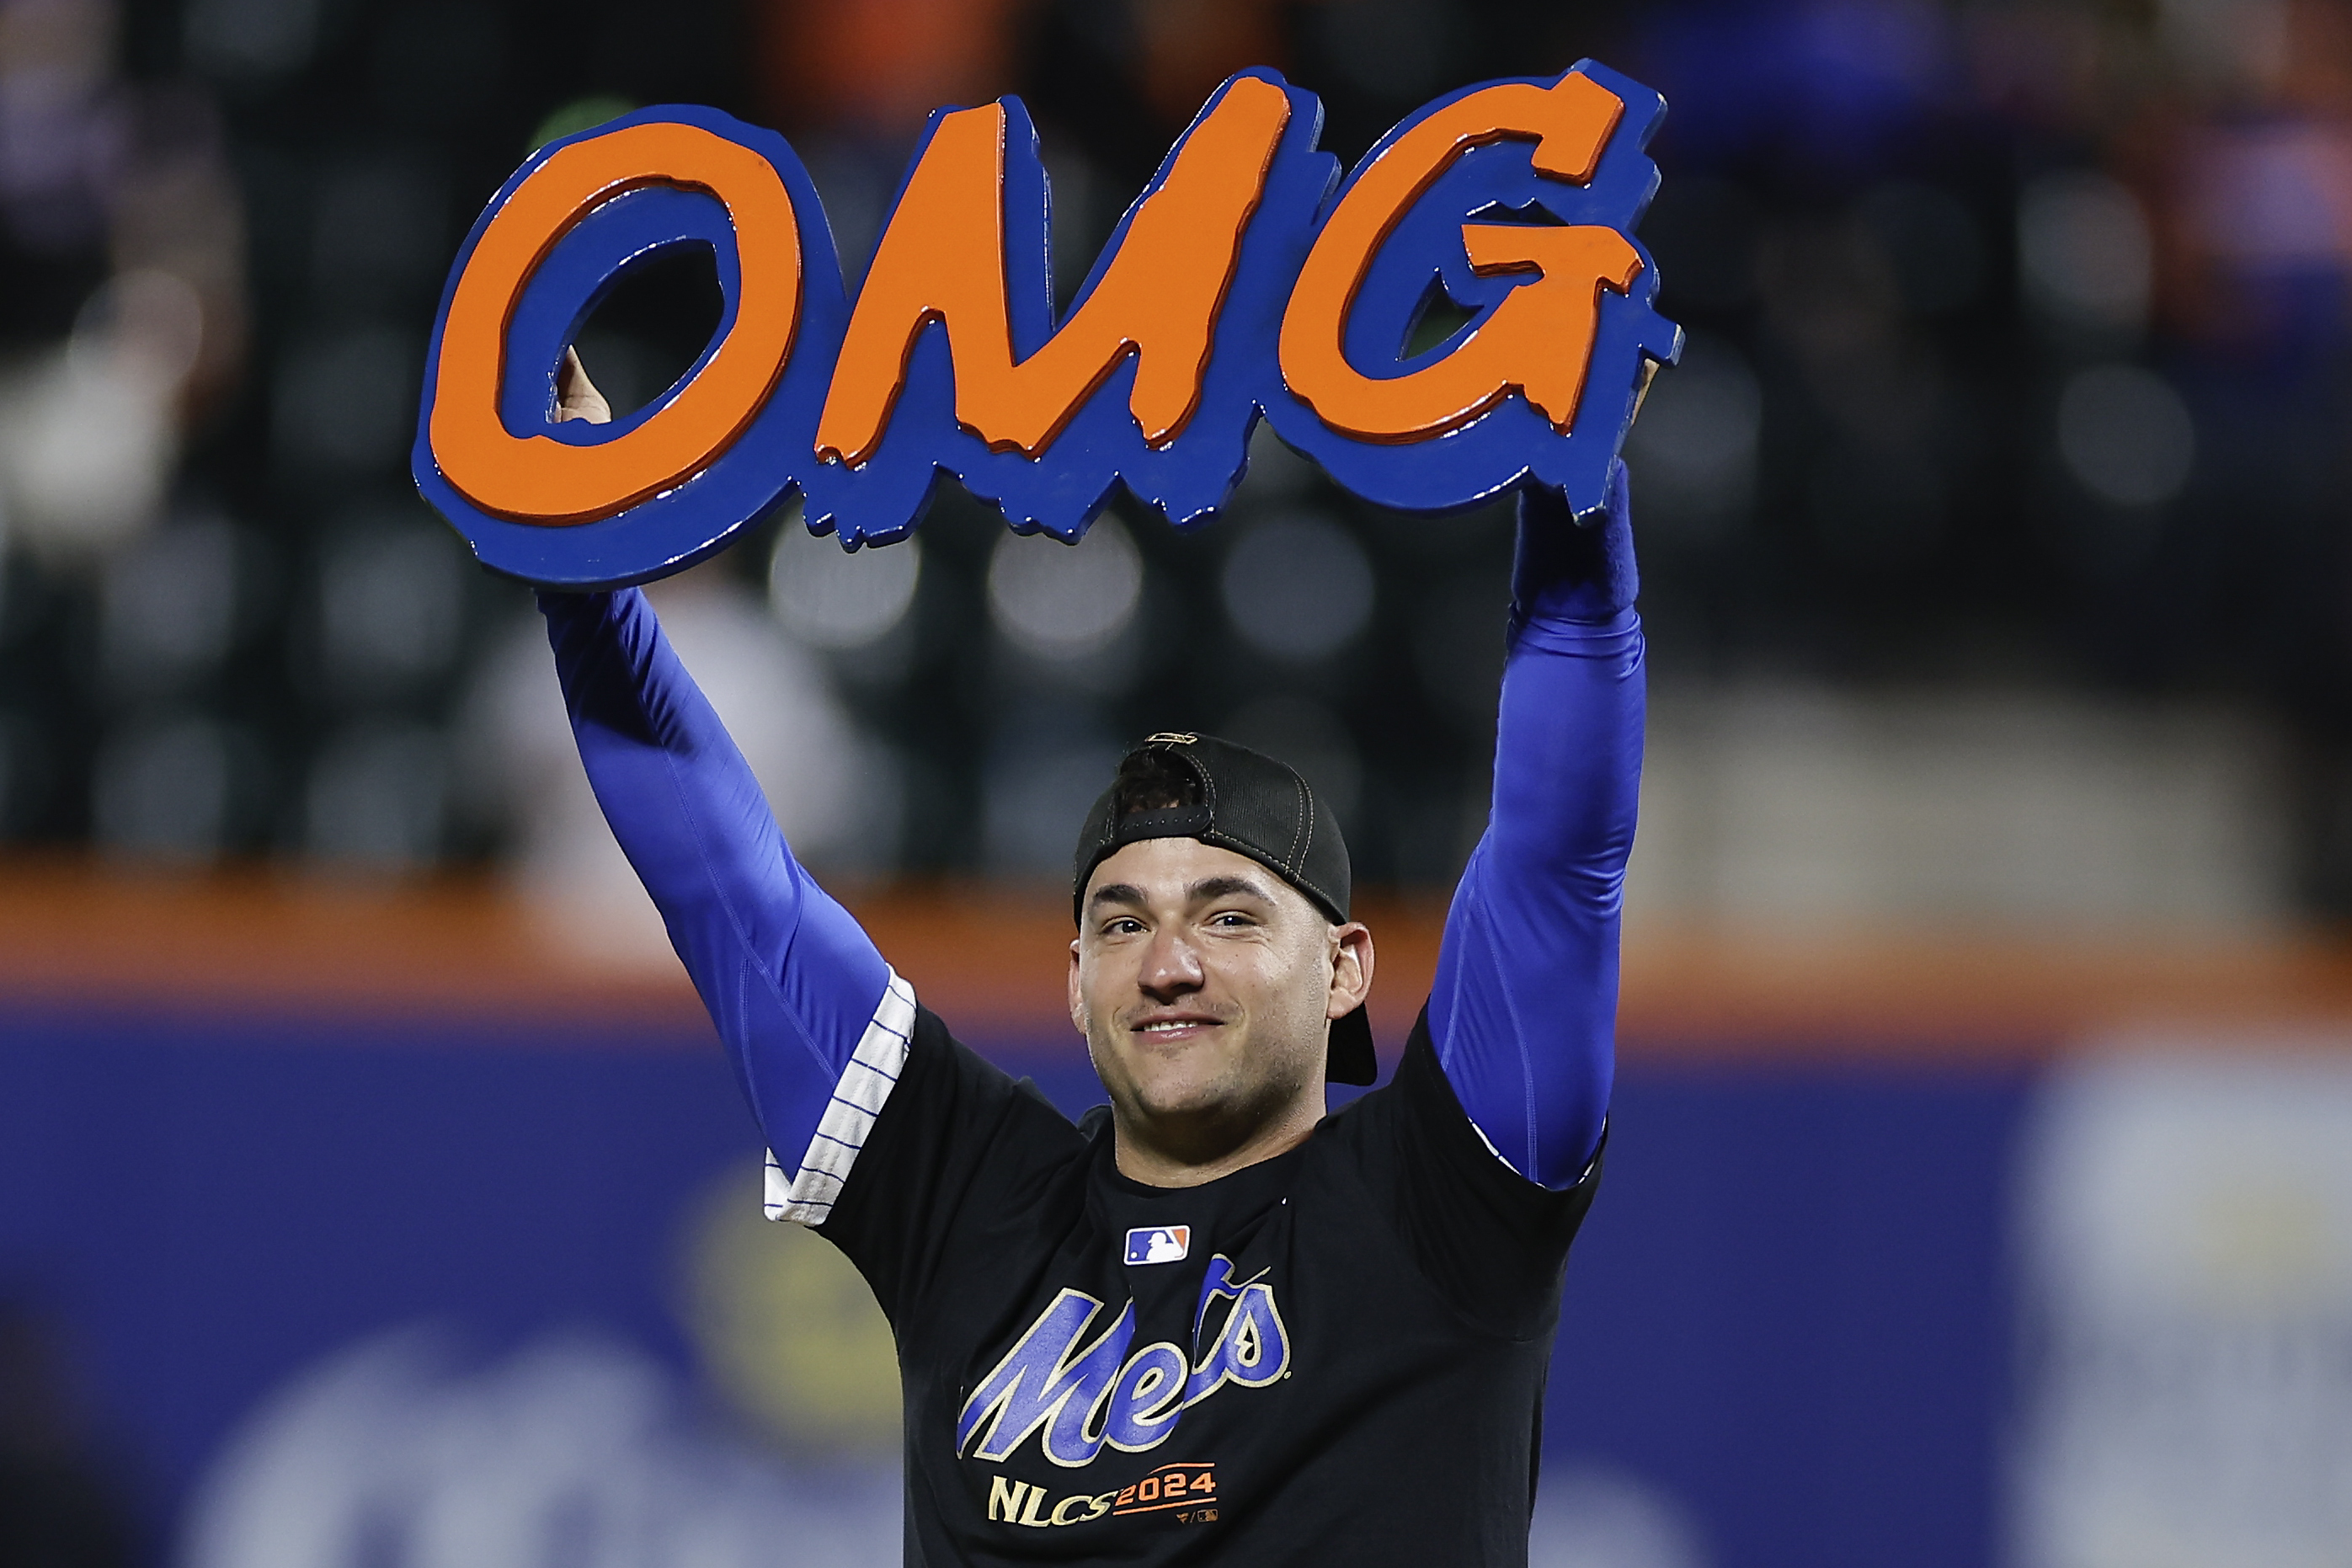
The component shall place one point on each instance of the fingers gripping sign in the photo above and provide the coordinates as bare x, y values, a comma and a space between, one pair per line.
576, 396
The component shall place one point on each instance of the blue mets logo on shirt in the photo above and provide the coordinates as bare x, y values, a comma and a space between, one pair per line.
1159, 1243
1080, 1394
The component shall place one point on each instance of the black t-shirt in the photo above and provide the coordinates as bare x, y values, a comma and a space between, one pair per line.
1335, 1356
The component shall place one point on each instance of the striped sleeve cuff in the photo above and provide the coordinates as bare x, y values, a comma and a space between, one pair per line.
806, 1197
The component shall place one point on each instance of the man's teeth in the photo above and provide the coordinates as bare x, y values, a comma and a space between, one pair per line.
1167, 1024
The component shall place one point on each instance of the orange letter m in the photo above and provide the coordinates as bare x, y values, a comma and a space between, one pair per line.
942, 260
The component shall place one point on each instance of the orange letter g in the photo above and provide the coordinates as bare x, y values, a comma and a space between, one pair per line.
1538, 342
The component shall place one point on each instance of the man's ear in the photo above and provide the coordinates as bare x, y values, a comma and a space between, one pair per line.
1351, 969
1077, 998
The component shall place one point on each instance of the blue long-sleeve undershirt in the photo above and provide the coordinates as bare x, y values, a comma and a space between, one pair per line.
1523, 1011
790, 978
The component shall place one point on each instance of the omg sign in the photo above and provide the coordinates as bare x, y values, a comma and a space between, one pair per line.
1249, 280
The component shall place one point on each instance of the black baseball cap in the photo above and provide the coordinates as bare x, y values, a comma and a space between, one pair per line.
1253, 805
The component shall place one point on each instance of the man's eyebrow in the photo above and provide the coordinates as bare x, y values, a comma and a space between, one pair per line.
1206, 890
1115, 893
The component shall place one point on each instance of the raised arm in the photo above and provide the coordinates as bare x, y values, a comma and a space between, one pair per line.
814, 1020
1524, 1010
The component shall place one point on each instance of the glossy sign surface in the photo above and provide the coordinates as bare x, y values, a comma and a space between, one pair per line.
1247, 282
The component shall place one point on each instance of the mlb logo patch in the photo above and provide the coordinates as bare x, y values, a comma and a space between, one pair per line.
1159, 1244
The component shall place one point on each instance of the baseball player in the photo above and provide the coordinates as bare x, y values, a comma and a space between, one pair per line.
1207, 1321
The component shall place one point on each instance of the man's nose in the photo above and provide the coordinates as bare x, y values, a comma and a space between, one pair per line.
1172, 968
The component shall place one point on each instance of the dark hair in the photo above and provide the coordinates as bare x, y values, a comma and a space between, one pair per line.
1153, 780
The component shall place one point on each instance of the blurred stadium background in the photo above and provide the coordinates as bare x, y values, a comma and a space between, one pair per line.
373, 1193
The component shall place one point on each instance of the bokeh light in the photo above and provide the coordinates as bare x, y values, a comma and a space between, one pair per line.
1298, 586
1064, 602
2083, 246
2126, 435
836, 599
377, 799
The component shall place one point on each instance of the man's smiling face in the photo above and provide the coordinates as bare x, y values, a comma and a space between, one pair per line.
1205, 984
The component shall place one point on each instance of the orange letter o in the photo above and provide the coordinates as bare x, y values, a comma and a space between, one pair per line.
536, 478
